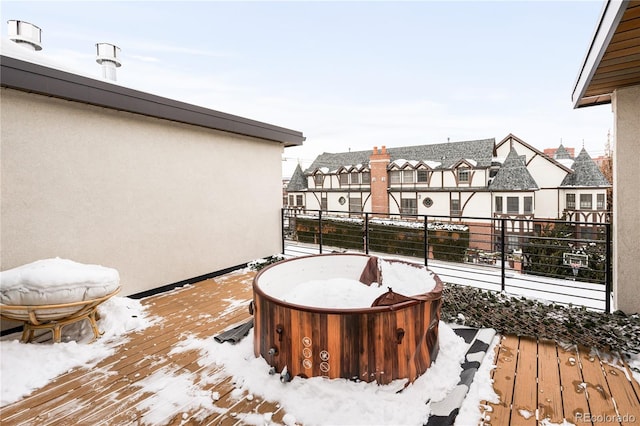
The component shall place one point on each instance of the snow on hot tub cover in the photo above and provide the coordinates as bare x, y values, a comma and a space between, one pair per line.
56, 281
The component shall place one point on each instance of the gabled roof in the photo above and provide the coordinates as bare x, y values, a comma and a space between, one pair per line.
585, 173
513, 175
534, 149
447, 154
298, 181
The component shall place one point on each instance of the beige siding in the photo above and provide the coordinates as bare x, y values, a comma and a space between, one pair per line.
626, 181
158, 200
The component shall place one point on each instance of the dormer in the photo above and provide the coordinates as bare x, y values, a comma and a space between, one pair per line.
463, 170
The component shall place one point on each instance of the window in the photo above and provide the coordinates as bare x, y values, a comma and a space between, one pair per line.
600, 202
318, 180
407, 176
299, 200
571, 201
422, 176
409, 206
513, 205
344, 179
355, 204
498, 204
455, 207
355, 178
513, 243
395, 176
586, 202
323, 202
342, 200
463, 174
427, 202
366, 178
291, 199
528, 205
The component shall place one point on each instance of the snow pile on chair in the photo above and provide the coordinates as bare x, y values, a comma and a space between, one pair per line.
56, 281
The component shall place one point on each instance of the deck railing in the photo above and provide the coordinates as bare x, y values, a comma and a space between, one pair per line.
559, 261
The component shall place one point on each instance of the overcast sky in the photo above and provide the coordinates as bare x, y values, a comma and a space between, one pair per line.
349, 75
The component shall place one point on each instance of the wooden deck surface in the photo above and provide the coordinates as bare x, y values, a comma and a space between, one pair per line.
541, 382
559, 383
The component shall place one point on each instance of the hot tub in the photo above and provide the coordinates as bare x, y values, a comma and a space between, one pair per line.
303, 333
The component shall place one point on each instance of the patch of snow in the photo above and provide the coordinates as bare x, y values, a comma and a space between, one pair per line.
28, 367
320, 400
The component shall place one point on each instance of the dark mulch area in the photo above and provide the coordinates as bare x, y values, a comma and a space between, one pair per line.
521, 316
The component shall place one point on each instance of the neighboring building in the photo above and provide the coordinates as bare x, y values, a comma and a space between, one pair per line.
610, 75
474, 179
552, 152
100, 173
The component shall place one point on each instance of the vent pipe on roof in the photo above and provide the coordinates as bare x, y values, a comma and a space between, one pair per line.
107, 56
25, 34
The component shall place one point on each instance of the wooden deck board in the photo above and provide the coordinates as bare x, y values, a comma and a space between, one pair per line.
574, 397
525, 396
549, 394
111, 392
571, 383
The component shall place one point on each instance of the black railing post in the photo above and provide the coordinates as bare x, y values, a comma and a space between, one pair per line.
282, 227
608, 271
366, 233
425, 235
320, 230
502, 253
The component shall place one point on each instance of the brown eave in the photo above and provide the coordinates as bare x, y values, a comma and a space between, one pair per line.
613, 59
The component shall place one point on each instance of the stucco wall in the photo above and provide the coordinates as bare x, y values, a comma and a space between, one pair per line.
159, 201
626, 181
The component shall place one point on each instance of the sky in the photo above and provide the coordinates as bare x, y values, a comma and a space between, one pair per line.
348, 75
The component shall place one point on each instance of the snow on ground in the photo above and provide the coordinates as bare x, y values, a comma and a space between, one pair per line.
27, 367
320, 400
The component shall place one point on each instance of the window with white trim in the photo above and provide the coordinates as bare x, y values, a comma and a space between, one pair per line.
571, 201
528, 205
463, 175
600, 202
513, 205
422, 176
586, 201
355, 204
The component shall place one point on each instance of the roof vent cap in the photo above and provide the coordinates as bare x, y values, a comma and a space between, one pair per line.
25, 34
108, 56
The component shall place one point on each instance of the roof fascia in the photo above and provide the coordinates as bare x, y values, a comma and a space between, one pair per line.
610, 17
536, 150
34, 78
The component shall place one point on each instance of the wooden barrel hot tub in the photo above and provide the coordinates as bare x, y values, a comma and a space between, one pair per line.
395, 336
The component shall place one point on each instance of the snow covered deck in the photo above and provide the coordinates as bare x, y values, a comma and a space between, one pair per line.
159, 376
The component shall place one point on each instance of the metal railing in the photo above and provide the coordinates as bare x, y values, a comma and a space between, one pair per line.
555, 260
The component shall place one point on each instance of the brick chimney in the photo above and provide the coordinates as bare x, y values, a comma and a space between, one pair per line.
378, 162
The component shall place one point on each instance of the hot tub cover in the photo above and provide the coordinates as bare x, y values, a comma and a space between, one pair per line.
56, 281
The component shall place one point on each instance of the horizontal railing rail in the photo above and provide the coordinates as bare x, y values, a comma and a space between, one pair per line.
560, 261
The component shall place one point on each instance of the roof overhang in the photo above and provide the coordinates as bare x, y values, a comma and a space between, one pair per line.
613, 58
34, 78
